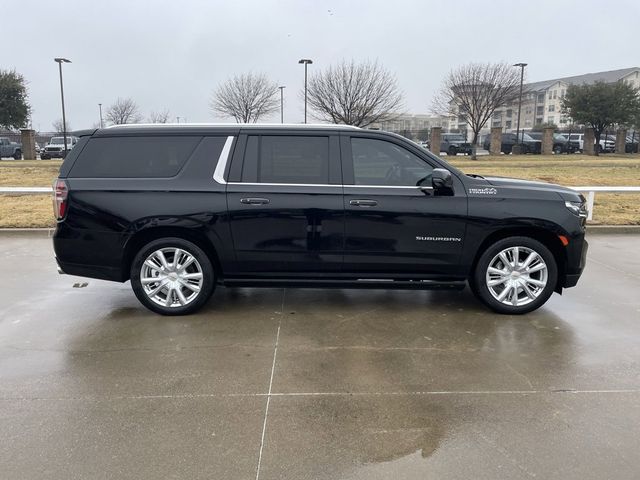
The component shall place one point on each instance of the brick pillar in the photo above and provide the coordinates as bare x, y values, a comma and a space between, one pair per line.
496, 141
589, 142
547, 141
28, 144
621, 140
435, 140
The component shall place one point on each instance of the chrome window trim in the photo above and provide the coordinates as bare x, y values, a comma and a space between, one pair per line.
218, 174
326, 185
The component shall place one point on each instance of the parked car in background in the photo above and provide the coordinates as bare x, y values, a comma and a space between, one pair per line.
55, 147
452, 144
606, 144
529, 144
179, 210
631, 146
561, 144
10, 149
38, 149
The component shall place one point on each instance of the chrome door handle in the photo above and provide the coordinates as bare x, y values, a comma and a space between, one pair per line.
363, 203
254, 201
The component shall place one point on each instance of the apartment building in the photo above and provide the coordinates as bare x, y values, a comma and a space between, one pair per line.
542, 101
414, 123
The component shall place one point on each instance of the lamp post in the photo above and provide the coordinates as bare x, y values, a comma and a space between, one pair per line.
282, 103
60, 61
521, 65
100, 107
306, 62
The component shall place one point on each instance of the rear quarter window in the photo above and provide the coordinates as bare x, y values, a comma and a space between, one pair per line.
134, 157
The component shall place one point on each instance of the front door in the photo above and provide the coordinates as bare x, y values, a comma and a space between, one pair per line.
392, 225
285, 207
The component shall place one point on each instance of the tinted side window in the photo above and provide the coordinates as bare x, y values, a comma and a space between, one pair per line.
136, 157
377, 162
286, 159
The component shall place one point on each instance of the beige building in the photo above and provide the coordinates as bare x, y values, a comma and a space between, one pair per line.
416, 125
542, 101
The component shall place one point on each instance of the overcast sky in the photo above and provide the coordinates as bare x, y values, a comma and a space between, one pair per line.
172, 54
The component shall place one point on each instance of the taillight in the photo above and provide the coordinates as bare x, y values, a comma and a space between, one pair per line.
60, 193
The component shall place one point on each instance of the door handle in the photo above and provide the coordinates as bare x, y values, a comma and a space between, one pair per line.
254, 201
363, 203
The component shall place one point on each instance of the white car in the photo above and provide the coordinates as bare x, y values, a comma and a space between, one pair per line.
606, 144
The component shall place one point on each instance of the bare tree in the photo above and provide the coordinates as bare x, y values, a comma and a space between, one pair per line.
354, 94
59, 128
475, 91
159, 117
246, 98
124, 110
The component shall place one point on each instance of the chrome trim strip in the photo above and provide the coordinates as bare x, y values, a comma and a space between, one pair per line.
218, 174
324, 185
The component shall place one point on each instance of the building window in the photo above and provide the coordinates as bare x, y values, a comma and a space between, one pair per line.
540, 110
552, 108
539, 121
551, 119
508, 124
528, 111
550, 95
541, 98
509, 113
555, 92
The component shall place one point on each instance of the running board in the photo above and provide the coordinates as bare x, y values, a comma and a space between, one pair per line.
339, 283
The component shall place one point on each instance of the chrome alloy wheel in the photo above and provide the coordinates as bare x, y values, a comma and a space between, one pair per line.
171, 277
517, 276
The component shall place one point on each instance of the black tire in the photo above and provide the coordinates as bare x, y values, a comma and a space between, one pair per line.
478, 281
452, 151
557, 149
17, 155
208, 276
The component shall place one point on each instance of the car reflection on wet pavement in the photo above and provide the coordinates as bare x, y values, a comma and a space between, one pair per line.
308, 384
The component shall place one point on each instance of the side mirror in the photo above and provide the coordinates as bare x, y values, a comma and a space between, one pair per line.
441, 179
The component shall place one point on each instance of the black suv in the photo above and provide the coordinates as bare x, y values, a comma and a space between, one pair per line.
453, 144
180, 209
529, 144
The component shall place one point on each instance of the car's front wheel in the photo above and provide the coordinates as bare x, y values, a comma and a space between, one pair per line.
515, 275
172, 276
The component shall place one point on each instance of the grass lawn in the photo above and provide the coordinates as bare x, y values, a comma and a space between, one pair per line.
570, 170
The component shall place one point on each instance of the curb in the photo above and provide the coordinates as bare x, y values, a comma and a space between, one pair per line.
614, 229
26, 232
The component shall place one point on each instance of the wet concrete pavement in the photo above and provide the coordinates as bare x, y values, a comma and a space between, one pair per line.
308, 384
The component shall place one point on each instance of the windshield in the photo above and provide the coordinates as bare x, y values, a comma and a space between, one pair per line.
57, 141
526, 136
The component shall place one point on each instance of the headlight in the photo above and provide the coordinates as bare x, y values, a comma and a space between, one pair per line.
577, 208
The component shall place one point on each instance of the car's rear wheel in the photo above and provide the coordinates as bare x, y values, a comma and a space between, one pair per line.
453, 151
17, 155
557, 149
515, 275
172, 276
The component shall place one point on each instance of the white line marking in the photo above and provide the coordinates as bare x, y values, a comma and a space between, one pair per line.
273, 368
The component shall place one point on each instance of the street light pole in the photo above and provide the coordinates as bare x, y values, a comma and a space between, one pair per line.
282, 103
306, 62
60, 61
521, 65
100, 107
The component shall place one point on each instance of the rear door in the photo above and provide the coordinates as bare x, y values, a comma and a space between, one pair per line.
285, 206
392, 226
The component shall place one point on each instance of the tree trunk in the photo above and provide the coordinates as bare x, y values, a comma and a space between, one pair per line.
474, 146
596, 147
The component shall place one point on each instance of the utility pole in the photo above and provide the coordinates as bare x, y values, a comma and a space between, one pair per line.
282, 103
100, 107
521, 65
306, 62
60, 61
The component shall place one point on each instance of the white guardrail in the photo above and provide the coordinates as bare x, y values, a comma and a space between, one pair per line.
590, 191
